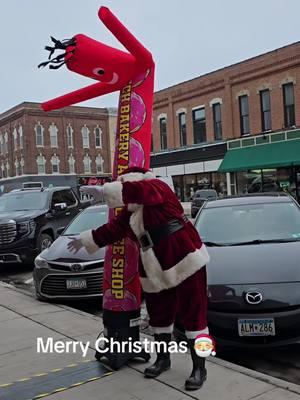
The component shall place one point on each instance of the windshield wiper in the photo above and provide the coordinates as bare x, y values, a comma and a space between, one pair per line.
262, 241
215, 244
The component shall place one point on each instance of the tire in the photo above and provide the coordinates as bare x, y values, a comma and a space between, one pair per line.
44, 241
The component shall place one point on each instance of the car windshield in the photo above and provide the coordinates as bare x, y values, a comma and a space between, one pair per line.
23, 201
249, 223
88, 219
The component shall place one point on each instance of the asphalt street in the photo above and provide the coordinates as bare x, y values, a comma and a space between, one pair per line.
283, 363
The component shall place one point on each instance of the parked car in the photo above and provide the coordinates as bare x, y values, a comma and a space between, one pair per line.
60, 274
31, 218
200, 197
254, 272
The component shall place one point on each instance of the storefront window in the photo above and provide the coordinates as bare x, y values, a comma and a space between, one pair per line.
189, 182
219, 183
248, 181
178, 186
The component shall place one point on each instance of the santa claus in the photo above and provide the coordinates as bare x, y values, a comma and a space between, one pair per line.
172, 259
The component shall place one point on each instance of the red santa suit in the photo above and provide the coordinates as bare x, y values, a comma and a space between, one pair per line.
172, 272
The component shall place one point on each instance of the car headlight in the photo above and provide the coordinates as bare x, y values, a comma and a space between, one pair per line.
40, 262
24, 228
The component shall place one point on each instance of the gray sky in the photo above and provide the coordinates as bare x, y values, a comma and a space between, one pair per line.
187, 39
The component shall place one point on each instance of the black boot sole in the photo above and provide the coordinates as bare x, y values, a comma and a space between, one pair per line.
190, 386
150, 375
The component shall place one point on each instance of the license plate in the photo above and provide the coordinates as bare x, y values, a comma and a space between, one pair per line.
76, 283
256, 327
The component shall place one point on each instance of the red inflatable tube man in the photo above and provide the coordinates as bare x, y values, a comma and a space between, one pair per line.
131, 73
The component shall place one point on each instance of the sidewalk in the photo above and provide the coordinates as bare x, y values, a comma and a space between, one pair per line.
71, 377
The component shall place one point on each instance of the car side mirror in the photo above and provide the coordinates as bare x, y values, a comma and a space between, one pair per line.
59, 206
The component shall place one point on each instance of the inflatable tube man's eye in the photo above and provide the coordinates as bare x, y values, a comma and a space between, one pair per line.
98, 71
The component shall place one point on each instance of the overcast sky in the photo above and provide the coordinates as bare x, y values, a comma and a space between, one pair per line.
187, 38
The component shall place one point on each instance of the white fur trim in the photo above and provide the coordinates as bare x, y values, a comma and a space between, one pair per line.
113, 194
158, 279
164, 329
87, 240
133, 207
194, 334
136, 176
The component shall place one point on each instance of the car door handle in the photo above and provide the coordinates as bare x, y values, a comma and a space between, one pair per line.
68, 213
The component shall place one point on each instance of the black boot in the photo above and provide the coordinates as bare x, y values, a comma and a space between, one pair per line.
199, 374
163, 360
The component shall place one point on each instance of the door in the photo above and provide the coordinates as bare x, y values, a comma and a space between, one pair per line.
71, 201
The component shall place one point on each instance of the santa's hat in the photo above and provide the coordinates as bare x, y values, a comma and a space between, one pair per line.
208, 339
135, 174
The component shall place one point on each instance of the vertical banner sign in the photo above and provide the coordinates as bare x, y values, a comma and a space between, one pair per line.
121, 287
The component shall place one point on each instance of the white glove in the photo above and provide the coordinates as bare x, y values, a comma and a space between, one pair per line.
74, 245
93, 190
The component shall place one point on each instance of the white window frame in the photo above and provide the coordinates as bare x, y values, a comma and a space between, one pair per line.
69, 131
36, 135
15, 136
99, 162
42, 158
96, 137
1, 144
21, 137
5, 142
71, 162
88, 159
53, 130
85, 133
55, 161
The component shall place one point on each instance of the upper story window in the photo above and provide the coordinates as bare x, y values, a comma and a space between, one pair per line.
85, 137
15, 136
289, 104
99, 163
182, 128
199, 125
98, 137
55, 164
5, 150
217, 116
21, 139
53, 135
71, 162
163, 133
69, 136
39, 134
87, 164
265, 107
41, 164
1, 144
244, 114
18, 167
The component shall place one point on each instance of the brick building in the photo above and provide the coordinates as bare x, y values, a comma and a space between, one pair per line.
199, 122
72, 141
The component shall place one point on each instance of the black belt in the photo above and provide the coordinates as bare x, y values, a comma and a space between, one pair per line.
152, 236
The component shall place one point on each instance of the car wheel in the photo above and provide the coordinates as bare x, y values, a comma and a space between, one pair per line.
44, 241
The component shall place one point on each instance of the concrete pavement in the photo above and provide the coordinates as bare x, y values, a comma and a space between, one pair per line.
71, 377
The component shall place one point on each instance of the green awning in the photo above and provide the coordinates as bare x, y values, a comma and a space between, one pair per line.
272, 155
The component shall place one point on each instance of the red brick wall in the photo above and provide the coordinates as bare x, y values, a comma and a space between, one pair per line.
267, 70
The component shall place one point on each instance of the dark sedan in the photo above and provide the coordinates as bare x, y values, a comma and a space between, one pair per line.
59, 274
199, 198
254, 272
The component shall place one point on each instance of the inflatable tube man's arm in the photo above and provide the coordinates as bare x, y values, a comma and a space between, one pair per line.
125, 37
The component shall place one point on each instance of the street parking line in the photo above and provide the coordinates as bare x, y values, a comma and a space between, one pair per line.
57, 380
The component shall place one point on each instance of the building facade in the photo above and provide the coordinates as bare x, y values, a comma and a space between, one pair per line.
73, 141
194, 120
